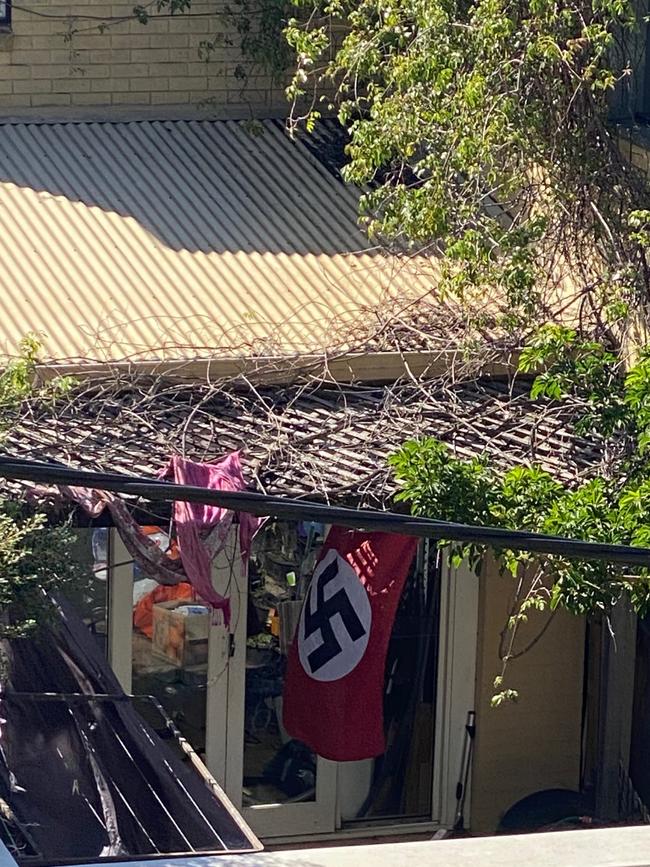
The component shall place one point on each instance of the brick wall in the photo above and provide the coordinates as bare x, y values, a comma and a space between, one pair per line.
127, 64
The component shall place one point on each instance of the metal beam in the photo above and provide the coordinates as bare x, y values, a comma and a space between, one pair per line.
297, 509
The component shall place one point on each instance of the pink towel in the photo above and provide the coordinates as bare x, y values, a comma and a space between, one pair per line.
202, 530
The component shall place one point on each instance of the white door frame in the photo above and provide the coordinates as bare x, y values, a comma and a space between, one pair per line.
225, 735
458, 637
119, 575
222, 643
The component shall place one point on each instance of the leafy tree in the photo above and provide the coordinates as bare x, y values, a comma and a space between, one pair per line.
611, 507
481, 132
34, 555
479, 129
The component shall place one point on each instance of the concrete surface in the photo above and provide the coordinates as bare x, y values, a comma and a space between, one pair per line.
610, 847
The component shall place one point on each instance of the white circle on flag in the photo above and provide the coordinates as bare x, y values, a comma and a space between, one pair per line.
335, 622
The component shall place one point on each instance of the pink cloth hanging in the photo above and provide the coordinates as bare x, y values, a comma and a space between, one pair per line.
202, 530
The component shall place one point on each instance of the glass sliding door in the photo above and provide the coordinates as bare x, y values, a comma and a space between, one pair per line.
159, 643
281, 786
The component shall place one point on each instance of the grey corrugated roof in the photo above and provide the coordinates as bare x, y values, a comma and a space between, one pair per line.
317, 441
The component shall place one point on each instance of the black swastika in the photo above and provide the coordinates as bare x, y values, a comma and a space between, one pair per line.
321, 619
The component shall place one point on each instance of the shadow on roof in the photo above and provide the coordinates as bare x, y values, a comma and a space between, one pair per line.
210, 186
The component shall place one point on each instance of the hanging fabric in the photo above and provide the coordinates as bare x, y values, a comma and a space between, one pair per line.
201, 530
333, 694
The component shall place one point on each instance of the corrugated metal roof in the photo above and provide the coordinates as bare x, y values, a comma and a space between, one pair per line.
182, 239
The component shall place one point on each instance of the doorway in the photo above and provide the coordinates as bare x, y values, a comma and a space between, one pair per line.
225, 691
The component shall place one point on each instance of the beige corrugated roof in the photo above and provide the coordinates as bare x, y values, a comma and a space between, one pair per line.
181, 239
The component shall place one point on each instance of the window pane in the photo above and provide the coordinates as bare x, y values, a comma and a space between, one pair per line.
170, 651
277, 768
91, 599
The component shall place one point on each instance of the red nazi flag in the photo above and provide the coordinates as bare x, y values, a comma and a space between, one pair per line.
334, 688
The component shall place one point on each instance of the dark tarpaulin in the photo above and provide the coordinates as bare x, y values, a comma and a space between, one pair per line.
82, 780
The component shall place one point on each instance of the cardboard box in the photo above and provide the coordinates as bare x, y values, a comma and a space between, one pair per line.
182, 639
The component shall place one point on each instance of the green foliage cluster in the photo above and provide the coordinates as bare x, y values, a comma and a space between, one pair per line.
18, 382
34, 560
528, 498
479, 129
612, 507
608, 401
34, 555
